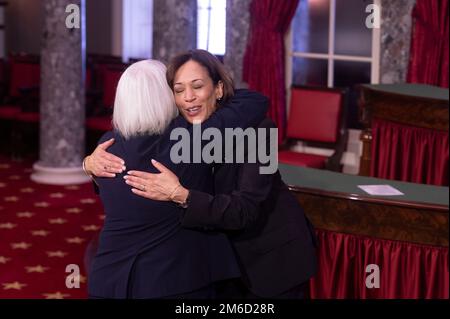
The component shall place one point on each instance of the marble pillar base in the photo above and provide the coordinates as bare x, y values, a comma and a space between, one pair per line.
58, 176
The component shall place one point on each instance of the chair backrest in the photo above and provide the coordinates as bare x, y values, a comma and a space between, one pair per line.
111, 79
316, 114
24, 74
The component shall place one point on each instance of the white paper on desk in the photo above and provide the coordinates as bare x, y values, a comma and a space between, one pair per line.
384, 190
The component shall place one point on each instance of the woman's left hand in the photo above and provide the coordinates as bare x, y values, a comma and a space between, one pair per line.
153, 186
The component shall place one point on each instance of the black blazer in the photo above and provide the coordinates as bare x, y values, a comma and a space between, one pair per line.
273, 239
143, 251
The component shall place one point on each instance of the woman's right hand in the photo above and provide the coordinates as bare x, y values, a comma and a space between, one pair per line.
103, 164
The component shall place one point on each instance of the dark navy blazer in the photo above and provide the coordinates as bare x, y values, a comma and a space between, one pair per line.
143, 250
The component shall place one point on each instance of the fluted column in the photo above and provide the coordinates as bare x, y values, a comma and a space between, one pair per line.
62, 133
174, 27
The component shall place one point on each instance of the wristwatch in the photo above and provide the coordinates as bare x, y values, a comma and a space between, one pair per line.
185, 204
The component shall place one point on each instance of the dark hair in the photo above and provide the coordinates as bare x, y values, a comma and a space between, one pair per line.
216, 70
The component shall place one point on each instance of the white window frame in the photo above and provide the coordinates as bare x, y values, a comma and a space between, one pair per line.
331, 56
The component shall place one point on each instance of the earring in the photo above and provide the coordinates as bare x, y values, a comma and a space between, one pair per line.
219, 98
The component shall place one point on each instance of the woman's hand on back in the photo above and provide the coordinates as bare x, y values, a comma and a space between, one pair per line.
163, 186
103, 164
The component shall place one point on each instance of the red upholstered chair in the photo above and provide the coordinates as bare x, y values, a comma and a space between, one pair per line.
316, 118
24, 72
23, 77
102, 121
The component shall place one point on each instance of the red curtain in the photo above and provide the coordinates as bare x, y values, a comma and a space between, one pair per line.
263, 67
406, 270
429, 44
409, 154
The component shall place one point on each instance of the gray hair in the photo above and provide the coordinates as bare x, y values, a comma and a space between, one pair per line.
144, 102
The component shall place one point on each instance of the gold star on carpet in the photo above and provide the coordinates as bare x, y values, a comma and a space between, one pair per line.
56, 295
21, 245
74, 210
2, 185
90, 227
40, 232
41, 204
87, 201
75, 240
7, 226
15, 177
57, 253
4, 260
25, 214
4, 166
13, 285
57, 195
27, 190
59, 221
37, 268
102, 217
72, 187
11, 198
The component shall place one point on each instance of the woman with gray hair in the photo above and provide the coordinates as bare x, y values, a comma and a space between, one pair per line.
143, 251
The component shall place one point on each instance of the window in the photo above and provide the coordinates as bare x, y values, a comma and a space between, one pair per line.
330, 45
137, 26
211, 25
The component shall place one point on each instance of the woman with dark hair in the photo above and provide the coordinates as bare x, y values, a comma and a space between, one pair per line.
143, 252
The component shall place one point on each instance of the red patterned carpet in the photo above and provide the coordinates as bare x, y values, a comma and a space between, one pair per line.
42, 230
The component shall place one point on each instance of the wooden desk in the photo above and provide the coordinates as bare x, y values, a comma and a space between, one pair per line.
410, 104
334, 202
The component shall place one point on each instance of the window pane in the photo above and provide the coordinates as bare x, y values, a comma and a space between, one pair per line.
217, 27
352, 36
309, 71
202, 28
348, 74
203, 4
211, 25
310, 26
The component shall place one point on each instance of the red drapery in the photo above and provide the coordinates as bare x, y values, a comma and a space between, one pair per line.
263, 67
409, 154
429, 44
406, 270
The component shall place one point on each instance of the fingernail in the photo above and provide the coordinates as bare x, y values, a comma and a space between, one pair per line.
125, 177
122, 162
153, 161
124, 168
